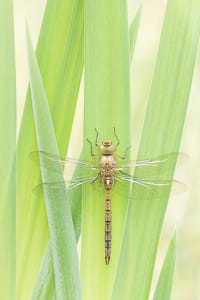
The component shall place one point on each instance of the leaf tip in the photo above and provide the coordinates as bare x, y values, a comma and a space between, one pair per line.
173, 242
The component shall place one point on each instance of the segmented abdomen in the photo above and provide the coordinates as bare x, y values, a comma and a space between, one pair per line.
107, 228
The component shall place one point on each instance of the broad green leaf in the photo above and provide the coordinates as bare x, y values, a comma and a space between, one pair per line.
60, 58
162, 131
8, 148
63, 242
164, 285
107, 105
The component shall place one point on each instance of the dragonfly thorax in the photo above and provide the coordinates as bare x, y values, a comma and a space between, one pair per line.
107, 170
107, 164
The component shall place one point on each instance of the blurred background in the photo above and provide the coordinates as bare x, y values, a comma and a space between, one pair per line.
183, 210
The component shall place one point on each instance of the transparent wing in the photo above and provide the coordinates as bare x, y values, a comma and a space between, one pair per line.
139, 186
163, 161
67, 184
50, 159
147, 184
142, 187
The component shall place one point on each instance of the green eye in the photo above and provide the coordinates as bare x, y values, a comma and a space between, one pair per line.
107, 143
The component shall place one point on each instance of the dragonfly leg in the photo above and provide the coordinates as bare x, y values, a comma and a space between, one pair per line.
96, 140
126, 152
95, 179
117, 138
91, 148
124, 173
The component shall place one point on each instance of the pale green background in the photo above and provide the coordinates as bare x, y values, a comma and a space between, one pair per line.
183, 210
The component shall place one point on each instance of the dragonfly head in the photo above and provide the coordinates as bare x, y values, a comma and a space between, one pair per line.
107, 147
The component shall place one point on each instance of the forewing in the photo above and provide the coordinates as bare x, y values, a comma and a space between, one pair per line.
151, 165
49, 160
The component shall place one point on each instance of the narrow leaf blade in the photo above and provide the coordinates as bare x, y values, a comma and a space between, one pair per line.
8, 153
164, 285
60, 58
63, 243
133, 31
45, 285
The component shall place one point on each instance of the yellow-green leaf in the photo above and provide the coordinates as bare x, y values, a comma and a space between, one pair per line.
45, 285
162, 132
7, 155
164, 285
133, 31
60, 58
107, 105
63, 242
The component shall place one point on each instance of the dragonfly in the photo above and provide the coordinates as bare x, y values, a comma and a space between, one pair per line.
110, 173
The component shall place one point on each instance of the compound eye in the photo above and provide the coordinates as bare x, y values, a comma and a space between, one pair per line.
107, 143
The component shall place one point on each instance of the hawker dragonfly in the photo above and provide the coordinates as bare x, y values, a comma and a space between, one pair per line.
110, 170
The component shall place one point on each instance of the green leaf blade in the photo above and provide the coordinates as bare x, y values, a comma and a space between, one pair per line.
107, 105
60, 58
45, 284
133, 31
63, 243
8, 153
164, 285
161, 134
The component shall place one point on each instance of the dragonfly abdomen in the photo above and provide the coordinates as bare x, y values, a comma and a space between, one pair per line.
107, 228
